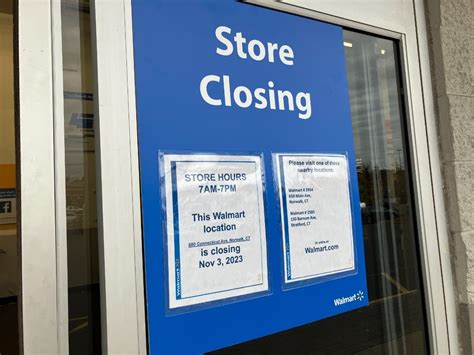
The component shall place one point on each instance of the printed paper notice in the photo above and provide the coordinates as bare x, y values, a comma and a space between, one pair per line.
316, 215
215, 227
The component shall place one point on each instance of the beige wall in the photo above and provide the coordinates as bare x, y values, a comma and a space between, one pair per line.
7, 133
451, 26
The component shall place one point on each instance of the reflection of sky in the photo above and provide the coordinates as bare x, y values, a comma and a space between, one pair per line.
375, 101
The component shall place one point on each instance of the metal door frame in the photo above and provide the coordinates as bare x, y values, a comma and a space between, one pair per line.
42, 199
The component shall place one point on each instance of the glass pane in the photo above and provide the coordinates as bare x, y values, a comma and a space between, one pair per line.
81, 191
9, 343
394, 322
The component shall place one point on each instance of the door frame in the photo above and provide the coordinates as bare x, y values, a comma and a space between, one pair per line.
42, 198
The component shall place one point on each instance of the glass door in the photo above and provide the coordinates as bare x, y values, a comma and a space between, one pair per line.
394, 320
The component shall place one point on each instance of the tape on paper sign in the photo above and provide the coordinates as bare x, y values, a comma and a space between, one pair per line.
215, 228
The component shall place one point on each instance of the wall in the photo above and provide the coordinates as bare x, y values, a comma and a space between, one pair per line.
451, 27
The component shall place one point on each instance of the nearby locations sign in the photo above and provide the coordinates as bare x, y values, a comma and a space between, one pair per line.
316, 212
237, 247
215, 227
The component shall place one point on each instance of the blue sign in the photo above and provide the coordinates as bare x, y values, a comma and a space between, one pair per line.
226, 78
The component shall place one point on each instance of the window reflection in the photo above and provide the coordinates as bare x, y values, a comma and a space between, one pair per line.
81, 190
389, 233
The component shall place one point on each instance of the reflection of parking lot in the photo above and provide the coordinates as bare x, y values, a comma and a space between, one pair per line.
372, 214
385, 236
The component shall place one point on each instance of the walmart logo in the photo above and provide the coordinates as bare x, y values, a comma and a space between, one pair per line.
359, 296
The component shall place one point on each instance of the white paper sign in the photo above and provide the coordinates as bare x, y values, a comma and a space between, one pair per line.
215, 225
316, 215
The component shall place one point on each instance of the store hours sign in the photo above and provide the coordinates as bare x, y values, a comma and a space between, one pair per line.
216, 236
250, 203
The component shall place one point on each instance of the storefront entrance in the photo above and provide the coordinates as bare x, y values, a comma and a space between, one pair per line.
86, 134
